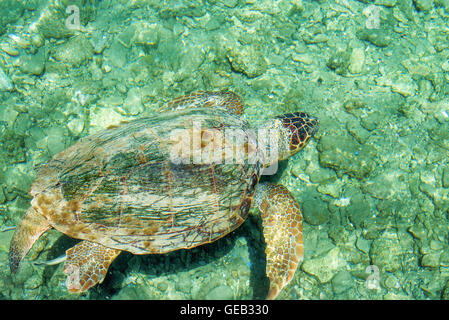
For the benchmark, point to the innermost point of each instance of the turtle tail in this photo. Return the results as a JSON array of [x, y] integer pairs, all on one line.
[[32, 226]]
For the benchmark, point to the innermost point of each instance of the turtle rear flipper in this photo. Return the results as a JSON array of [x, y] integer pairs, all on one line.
[[32, 226], [282, 230], [87, 264]]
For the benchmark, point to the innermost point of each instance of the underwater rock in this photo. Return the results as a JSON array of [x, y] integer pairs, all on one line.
[[386, 3], [443, 3], [291, 7], [359, 210], [37, 40], [332, 189], [315, 211], [341, 236], [25, 272], [8, 114], [212, 22], [133, 103], [76, 125], [321, 175], [174, 8], [345, 154], [444, 262], [339, 62], [248, 15], [5, 239], [357, 131], [399, 83], [76, 51], [423, 5], [247, 60], [99, 42], [130, 293], [362, 244], [126, 36], [220, 293], [404, 85], [305, 58], [387, 185], [9, 49], [33, 282], [440, 196], [439, 39], [356, 60], [445, 294], [33, 64], [183, 282], [440, 135], [391, 282], [417, 68], [2, 197], [55, 21], [162, 285], [418, 231], [325, 267], [445, 177], [56, 139], [17, 179], [386, 254], [52, 24], [312, 38], [148, 34], [13, 152], [5, 83], [230, 3], [395, 296], [342, 282], [192, 59], [369, 121], [101, 117], [10, 11], [436, 245], [379, 37], [116, 55], [431, 260]]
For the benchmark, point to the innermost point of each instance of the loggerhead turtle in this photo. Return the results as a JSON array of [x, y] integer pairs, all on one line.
[[145, 187]]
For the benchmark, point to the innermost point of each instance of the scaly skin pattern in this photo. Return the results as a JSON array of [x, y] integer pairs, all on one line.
[[87, 264], [282, 230]]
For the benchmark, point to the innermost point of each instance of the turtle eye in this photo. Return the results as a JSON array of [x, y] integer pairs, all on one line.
[[301, 128]]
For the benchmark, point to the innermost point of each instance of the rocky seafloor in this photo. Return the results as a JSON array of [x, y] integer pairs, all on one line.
[[373, 185]]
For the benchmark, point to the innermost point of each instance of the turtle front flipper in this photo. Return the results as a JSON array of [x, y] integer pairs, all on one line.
[[87, 264], [282, 230], [207, 99], [32, 226]]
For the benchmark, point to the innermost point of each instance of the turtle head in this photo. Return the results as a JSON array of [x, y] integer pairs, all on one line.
[[295, 129]]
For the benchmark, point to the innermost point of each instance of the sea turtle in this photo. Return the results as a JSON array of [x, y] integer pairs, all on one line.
[[152, 186]]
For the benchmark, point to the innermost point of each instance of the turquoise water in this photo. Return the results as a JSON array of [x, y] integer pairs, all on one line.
[[373, 184]]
